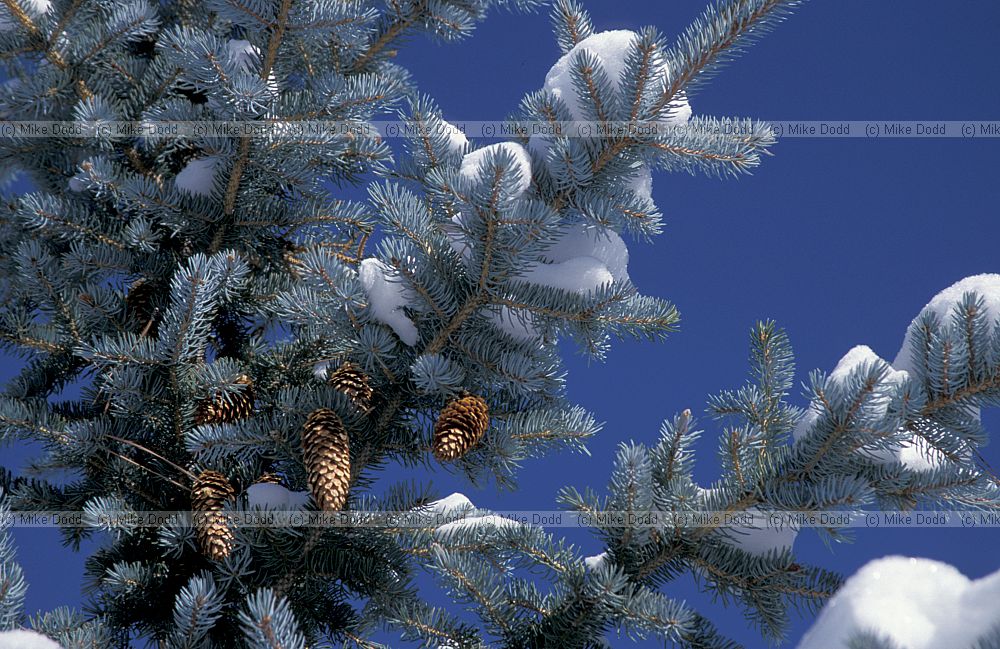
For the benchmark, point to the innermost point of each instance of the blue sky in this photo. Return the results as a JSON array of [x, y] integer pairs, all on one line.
[[841, 241]]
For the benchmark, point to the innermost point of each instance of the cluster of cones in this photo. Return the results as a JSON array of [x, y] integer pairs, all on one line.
[[326, 450]]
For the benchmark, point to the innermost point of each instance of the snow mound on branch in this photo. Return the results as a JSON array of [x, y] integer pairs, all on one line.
[[273, 496], [458, 241], [457, 142], [472, 162], [519, 325], [600, 243], [489, 522], [611, 48], [914, 454], [584, 258], [580, 275], [918, 603], [243, 54], [8, 22], [386, 299], [987, 286], [596, 561], [247, 57], [23, 639], [852, 360], [942, 305], [451, 505], [760, 538], [321, 369], [642, 182], [198, 176]]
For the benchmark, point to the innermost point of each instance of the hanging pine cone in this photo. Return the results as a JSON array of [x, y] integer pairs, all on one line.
[[139, 306], [210, 492], [220, 411], [461, 425], [349, 379], [326, 448]]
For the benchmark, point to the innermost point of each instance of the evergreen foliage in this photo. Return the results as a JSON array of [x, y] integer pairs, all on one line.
[[12, 585], [834, 463]]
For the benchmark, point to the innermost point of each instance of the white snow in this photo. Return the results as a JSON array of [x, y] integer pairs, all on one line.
[[584, 258], [596, 561], [914, 454], [198, 176], [611, 48], [491, 521], [32, 7], [472, 162], [918, 603], [987, 286], [518, 324], [642, 182], [247, 57], [852, 360], [457, 142], [386, 299], [918, 455], [453, 510], [600, 243], [320, 369], [581, 275], [23, 639], [451, 505], [266, 495], [760, 538], [243, 54], [458, 241], [858, 356]]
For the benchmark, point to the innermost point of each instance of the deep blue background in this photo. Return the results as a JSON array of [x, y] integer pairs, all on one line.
[[839, 240]]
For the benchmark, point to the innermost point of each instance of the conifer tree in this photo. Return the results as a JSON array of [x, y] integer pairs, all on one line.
[[894, 436], [243, 344]]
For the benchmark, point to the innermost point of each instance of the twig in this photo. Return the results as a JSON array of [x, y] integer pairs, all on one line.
[[154, 454]]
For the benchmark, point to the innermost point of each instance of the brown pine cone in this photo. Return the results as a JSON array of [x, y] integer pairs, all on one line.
[[139, 301], [327, 453], [220, 411], [352, 381], [209, 493], [461, 425]]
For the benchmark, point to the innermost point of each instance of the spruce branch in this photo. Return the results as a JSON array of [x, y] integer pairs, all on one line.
[[233, 185], [716, 37], [571, 22], [388, 34]]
